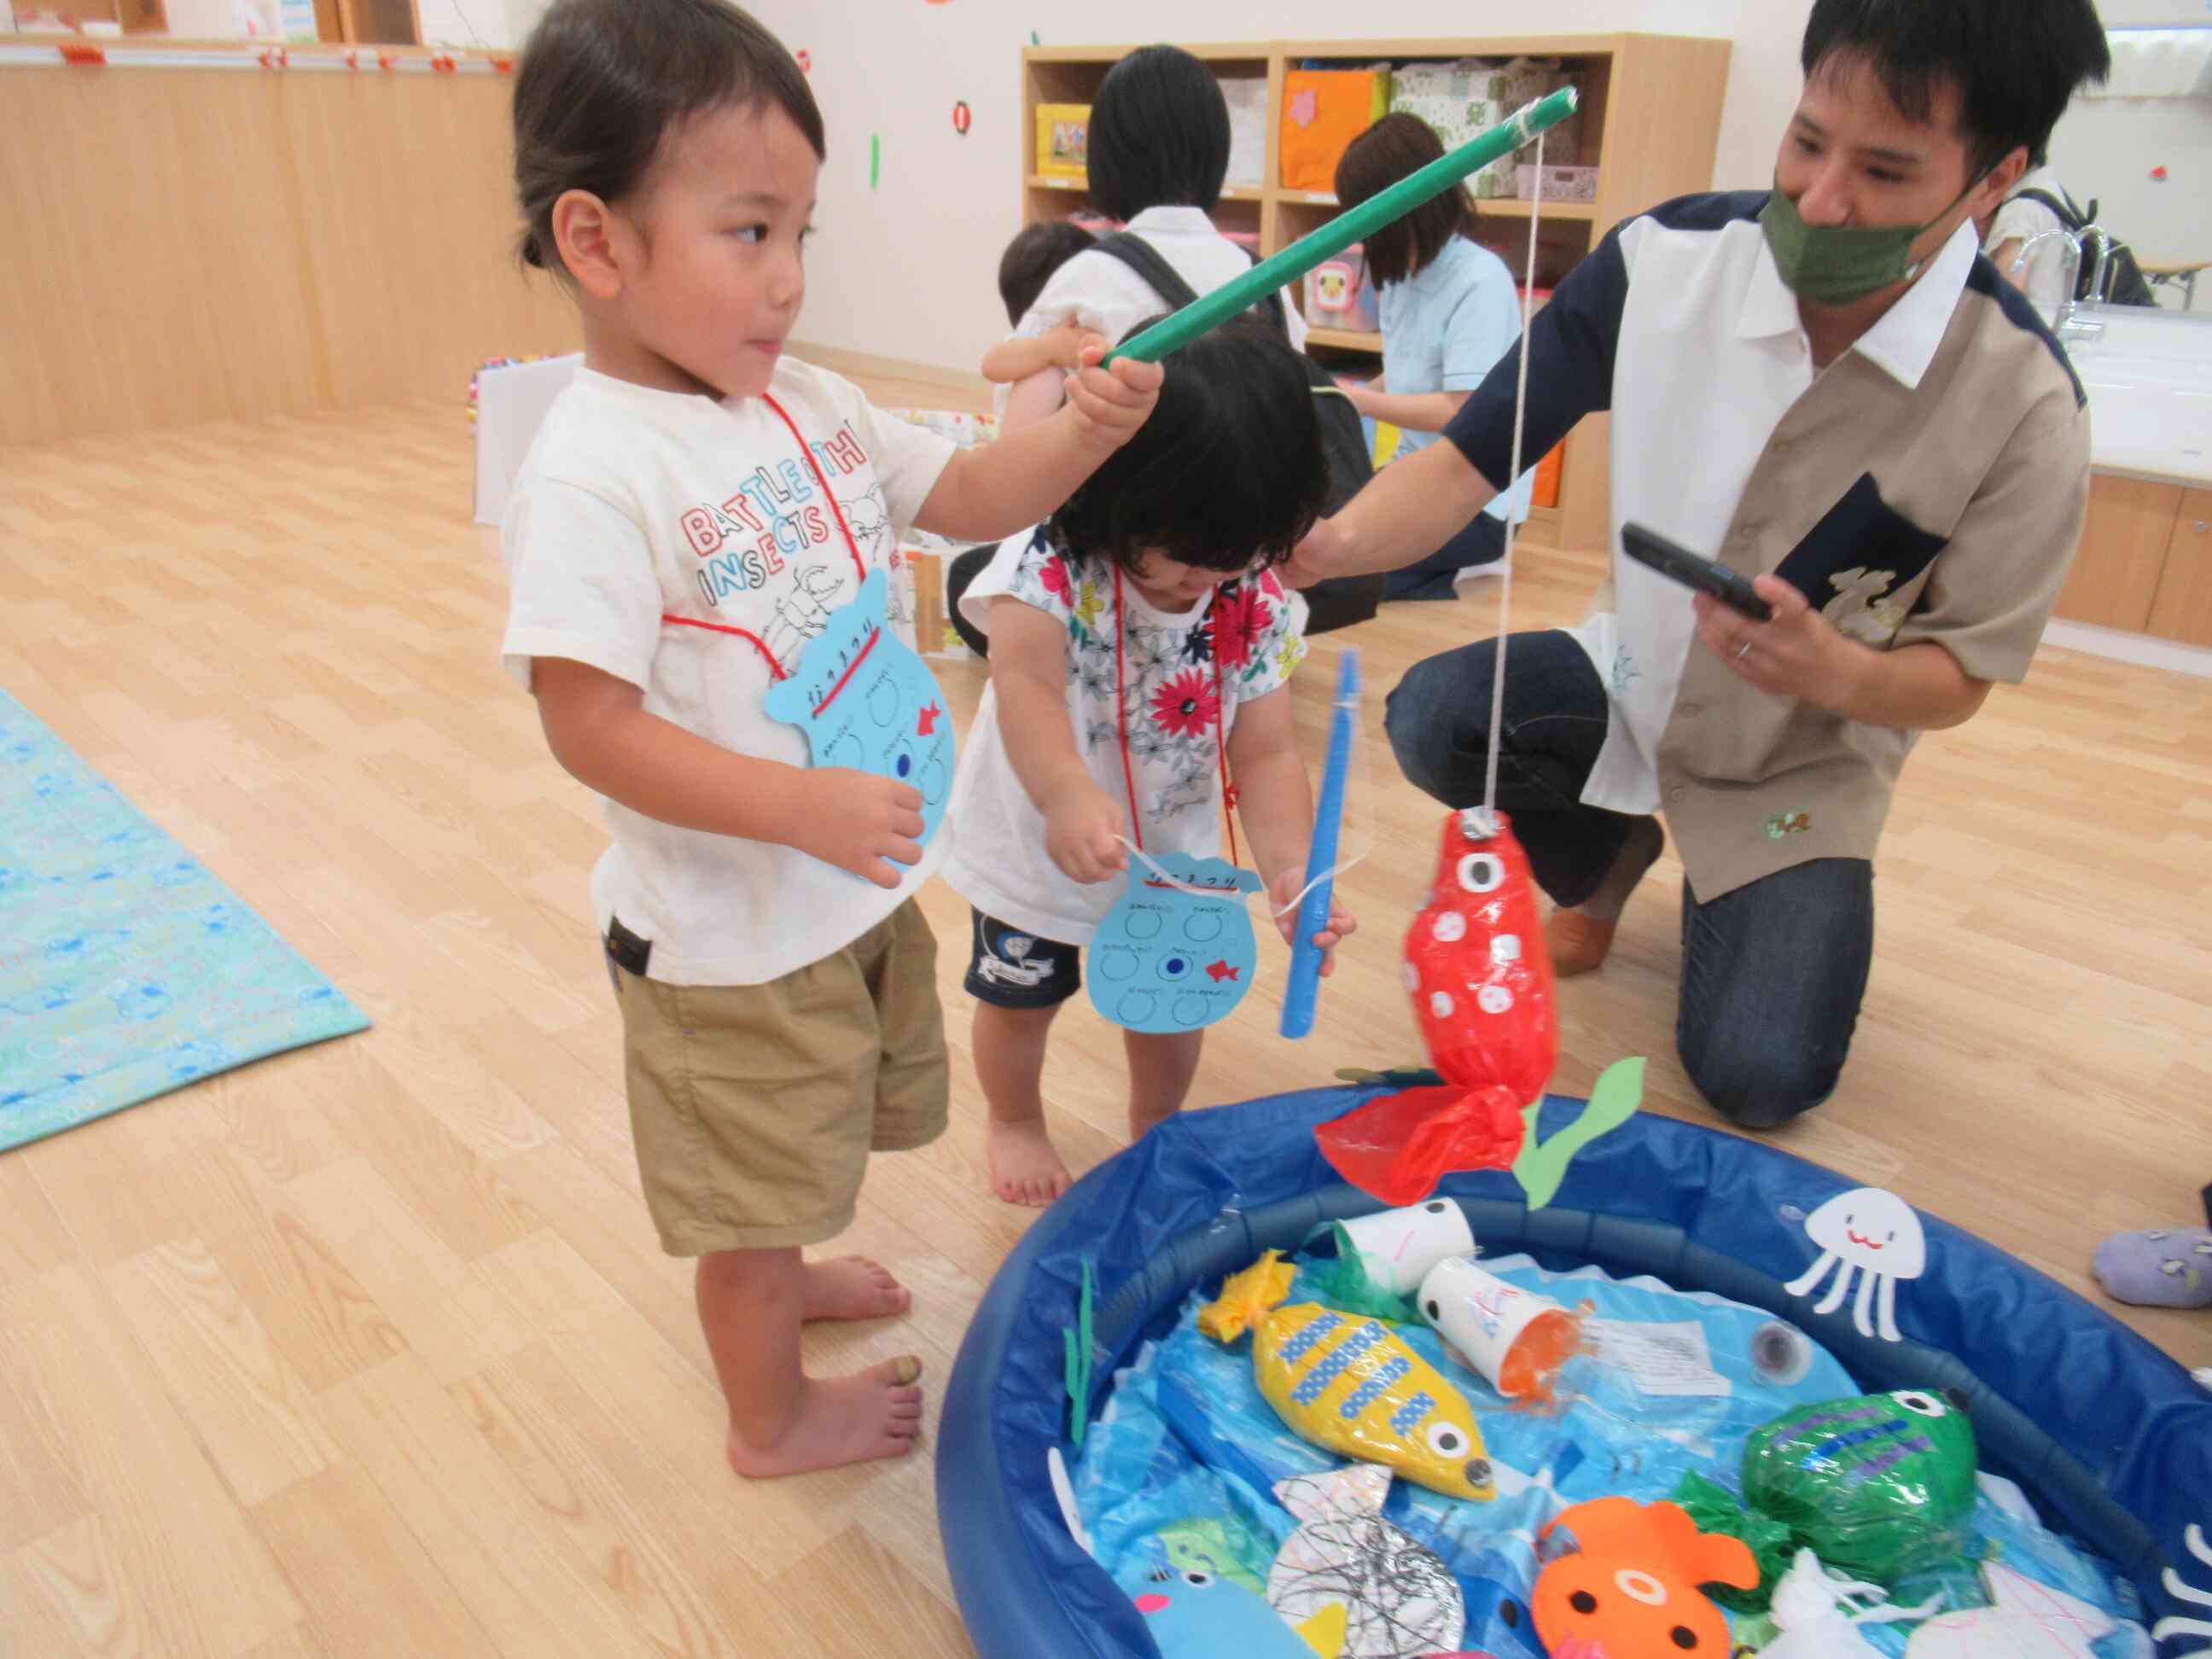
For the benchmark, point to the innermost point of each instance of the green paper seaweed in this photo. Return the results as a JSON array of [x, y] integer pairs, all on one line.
[[1542, 1164], [1076, 1341]]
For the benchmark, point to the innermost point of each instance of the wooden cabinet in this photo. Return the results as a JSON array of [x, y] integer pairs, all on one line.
[[1649, 123], [2115, 575], [2145, 563], [2182, 608]]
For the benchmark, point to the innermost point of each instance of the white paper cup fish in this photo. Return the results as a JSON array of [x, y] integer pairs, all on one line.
[[1485, 1319], [1399, 1247]]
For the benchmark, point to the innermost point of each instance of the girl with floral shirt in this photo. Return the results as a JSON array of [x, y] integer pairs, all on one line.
[[1141, 650]]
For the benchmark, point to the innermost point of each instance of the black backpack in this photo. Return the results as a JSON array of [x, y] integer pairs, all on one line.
[[1342, 600], [2124, 282]]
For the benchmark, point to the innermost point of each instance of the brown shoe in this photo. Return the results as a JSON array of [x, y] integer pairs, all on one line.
[[1578, 943]]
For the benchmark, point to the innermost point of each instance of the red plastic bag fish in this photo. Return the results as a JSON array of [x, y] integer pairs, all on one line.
[[1480, 976]]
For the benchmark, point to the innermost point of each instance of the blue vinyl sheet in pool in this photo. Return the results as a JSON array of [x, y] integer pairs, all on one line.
[[2109, 1438]]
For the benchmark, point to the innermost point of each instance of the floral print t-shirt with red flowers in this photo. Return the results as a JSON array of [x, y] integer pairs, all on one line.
[[1183, 676]]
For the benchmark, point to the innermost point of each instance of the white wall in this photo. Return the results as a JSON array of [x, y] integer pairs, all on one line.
[[2107, 147], [906, 271]]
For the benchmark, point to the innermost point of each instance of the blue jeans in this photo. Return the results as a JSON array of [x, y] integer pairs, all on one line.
[[1773, 972]]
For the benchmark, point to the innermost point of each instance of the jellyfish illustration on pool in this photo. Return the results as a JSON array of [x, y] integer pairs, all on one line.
[[2172, 1630], [1874, 1234]]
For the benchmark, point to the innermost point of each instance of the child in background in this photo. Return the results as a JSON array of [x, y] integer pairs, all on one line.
[[1024, 268], [1141, 649], [1158, 151], [1449, 312], [674, 540], [1037, 251]]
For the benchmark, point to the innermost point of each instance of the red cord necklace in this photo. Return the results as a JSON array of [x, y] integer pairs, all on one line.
[[777, 670], [1220, 715]]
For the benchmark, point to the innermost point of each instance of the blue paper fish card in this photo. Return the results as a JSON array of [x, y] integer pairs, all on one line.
[[1169, 958], [865, 700], [1196, 1615]]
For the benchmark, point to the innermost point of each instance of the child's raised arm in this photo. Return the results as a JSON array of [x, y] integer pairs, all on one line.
[[1415, 411], [1082, 825], [1024, 354], [598, 730], [985, 495], [1274, 802]]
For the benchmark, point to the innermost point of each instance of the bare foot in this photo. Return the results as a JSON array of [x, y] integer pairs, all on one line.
[[1024, 1168], [853, 1287], [872, 1413]]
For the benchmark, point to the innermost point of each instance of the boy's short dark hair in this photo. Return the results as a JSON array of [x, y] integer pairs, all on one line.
[[2016, 62], [1159, 135], [601, 81], [1227, 469], [1395, 146], [1036, 252]]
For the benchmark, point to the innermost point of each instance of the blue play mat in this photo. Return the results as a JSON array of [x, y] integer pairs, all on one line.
[[2110, 1439], [126, 968]]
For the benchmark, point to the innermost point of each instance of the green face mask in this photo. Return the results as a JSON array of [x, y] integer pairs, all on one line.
[[1836, 264]]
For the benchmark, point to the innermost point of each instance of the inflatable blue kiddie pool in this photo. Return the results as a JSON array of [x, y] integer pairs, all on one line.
[[2082, 1429]]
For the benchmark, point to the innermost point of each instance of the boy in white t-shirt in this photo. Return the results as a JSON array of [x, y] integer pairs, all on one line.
[[694, 511], [1141, 650]]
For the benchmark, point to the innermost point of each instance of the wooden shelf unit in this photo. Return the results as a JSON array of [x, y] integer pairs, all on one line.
[[1650, 124]]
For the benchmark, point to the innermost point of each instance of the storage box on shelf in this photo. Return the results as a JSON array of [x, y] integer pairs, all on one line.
[[1647, 130]]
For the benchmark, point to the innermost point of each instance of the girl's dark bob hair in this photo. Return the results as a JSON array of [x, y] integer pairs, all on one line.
[[1393, 148], [1227, 473]]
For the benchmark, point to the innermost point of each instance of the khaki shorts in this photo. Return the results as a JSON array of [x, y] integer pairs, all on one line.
[[754, 1108]]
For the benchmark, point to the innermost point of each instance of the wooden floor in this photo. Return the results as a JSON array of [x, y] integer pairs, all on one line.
[[370, 1349]]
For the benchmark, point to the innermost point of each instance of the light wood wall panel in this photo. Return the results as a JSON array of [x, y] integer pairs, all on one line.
[[199, 245]]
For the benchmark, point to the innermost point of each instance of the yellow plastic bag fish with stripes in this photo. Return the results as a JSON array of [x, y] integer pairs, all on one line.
[[1350, 1384]]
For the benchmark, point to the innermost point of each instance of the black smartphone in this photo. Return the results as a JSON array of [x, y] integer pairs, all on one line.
[[1706, 575]]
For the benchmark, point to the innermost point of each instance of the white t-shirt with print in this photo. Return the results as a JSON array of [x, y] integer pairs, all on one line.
[[2021, 220], [640, 513], [1099, 292], [1254, 625]]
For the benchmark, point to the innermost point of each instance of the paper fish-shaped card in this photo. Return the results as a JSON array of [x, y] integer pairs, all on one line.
[[1176, 951], [865, 700]]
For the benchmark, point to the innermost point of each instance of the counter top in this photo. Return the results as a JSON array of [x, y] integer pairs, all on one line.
[[2148, 375]]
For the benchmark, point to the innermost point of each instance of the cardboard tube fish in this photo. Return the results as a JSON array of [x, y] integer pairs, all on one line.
[[1351, 1385]]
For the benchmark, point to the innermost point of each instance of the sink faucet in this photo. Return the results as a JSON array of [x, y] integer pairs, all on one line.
[[2065, 324], [2098, 273]]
